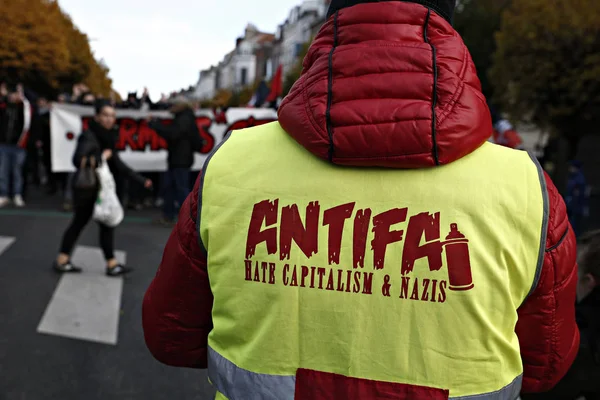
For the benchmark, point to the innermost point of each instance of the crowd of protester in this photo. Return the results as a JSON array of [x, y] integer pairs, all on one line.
[[25, 149], [25, 163]]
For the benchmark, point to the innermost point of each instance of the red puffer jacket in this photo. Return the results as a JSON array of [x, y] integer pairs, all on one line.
[[384, 84]]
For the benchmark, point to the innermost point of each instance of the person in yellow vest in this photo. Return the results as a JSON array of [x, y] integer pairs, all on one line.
[[371, 244]]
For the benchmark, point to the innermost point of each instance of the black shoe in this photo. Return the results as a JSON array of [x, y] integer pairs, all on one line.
[[118, 270], [66, 268]]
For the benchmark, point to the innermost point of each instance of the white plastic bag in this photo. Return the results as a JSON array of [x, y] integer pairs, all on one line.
[[108, 209]]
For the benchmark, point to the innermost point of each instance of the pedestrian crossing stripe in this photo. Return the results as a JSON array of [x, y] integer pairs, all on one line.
[[5, 243], [86, 306]]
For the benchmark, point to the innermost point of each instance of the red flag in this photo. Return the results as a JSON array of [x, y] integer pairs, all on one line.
[[276, 85]]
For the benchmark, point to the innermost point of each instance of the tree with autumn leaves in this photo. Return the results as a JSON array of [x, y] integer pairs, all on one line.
[[548, 64], [42, 48], [477, 21]]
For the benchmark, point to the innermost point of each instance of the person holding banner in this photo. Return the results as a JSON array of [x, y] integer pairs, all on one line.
[[12, 155], [94, 146], [182, 137]]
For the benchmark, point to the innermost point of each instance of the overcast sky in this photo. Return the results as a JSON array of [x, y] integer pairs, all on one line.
[[164, 44]]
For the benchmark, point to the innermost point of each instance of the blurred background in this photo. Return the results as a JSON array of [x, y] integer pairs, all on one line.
[[232, 62]]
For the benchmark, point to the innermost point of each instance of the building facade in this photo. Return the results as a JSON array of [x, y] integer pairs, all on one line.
[[257, 55], [207, 84]]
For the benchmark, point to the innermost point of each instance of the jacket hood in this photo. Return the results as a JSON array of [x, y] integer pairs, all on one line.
[[387, 84], [445, 8]]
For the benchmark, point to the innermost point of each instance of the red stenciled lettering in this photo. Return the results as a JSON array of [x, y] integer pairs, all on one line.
[[433, 291], [404, 287], [286, 271], [127, 134], [330, 281], [220, 117], [264, 265], [442, 296], [340, 282], [348, 278], [307, 238], [248, 265], [425, 294], [264, 212], [247, 123], [356, 286], [303, 275], [335, 218], [361, 230], [367, 283], [383, 236], [271, 273], [256, 273], [294, 281], [428, 225], [204, 124], [415, 291], [148, 137], [321, 272]]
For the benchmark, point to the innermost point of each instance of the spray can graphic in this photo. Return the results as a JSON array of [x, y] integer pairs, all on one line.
[[458, 260]]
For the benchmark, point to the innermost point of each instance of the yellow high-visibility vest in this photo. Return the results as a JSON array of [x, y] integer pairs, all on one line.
[[408, 276]]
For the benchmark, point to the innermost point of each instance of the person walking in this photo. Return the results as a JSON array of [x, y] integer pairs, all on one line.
[[180, 140], [95, 146], [12, 155], [371, 244]]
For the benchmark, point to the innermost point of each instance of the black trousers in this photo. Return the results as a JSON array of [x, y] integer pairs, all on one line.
[[84, 210]]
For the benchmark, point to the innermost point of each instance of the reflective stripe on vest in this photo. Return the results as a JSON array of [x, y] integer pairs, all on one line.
[[239, 384], [404, 276]]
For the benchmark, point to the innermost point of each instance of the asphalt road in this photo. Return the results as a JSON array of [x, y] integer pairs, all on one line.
[[41, 366]]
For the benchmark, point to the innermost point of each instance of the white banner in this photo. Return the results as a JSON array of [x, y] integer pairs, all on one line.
[[139, 146]]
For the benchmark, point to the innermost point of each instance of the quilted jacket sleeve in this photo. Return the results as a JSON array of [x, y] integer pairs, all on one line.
[[546, 328], [177, 306]]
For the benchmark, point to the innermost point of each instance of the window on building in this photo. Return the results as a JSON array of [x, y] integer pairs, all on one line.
[[269, 69], [297, 49], [218, 80], [243, 76]]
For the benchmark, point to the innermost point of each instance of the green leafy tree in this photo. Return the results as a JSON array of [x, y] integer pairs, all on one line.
[[477, 21], [294, 74], [548, 58], [234, 100], [245, 95], [223, 98], [548, 61], [98, 80]]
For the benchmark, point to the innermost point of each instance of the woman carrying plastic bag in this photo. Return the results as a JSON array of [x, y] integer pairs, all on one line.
[[108, 209], [94, 193]]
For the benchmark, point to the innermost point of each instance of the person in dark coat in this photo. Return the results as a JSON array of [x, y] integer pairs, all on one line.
[[39, 139], [583, 378], [181, 155], [576, 198], [12, 156], [97, 143]]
